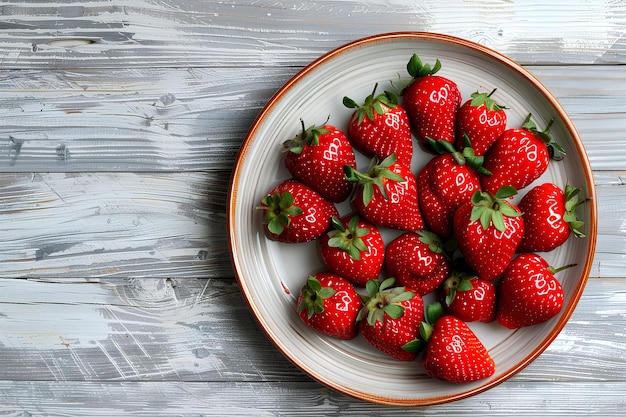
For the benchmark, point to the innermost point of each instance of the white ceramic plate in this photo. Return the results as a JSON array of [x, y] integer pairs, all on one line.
[[271, 273]]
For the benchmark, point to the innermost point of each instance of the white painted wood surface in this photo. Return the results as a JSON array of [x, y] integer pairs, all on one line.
[[119, 126]]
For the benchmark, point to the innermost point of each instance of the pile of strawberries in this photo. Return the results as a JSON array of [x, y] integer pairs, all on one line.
[[461, 236]]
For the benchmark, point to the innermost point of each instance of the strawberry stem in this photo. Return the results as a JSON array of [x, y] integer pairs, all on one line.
[[376, 173], [279, 209], [555, 270], [348, 239], [546, 137], [485, 99], [433, 313], [467, 155], [313, 296], [571, 202], [431, 239], [491, 209], [457, 281], [417, 69], [383, 300], [372, 104], [307, 136]]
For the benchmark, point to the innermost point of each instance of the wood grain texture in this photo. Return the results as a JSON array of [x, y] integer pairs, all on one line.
[[170, 225], [130, 120], [201, 330], [120, 123], [114, 224], [220, 399], [195, 119], [134, 330], [245, 33]]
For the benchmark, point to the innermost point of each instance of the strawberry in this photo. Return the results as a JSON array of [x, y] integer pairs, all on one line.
[[294, 213], [488, 230], [380, 127], [329, 304], [447, 181], [316, 157], [529, 293], [354, 249], [417, 261], [469, 297], [431, 101], [481, 119], [453, 352], [549, 217], [390, 318], [519, 156], [387, 194]]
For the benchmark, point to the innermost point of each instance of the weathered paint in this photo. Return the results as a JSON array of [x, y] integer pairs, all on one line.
[[119, 125]]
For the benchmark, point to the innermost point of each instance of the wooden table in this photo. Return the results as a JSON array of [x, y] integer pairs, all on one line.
[[119, 127]]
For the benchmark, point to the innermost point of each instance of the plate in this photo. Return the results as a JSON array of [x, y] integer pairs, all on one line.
[[271, 274]]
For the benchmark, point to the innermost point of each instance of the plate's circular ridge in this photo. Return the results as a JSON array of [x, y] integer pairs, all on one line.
[[270, 274]]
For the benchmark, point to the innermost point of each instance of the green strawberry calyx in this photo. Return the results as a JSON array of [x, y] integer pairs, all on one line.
[[383, 300], [457, 281], [373, 104], [555, 150], [571, 202], [417, 69], [491, 209], [307, 136], [434, 312], [436, 244], [432, 240], [348, 239], [375, 175], [480, 99], [313, 296], [466, 156], [279, 209]]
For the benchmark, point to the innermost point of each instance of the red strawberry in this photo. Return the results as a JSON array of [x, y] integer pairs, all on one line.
[[482, 119], [387, 195], [390, 318], [294, 213], [380, 127], [316, 157], [353, 249], [329, 304], [488, 230], [447, 181], [431, 102], [549, 217], [417, 261], [453, 352], [434, 212], [529, 293], [519, 157], [469, 297]]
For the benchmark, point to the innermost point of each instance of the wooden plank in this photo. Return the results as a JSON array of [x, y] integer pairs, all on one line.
[[133, 330], [196, 119], [611, 244], [131, 120], [201, 330], [149, 34], [119, 126], [168, 225], [288, 398], [114, 224]]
